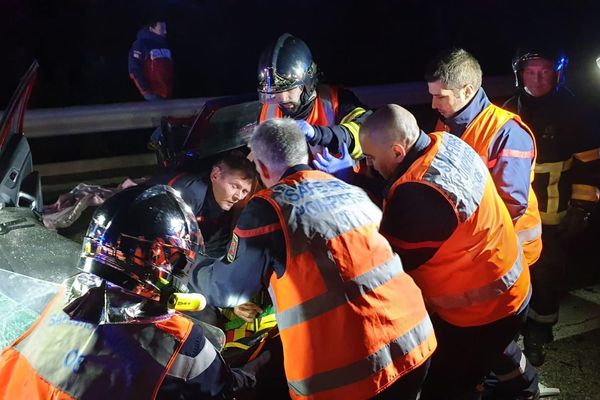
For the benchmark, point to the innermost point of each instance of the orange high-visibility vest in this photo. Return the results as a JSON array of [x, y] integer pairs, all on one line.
[[351, 320], [61, 358], [480, 134], [323, 112], [476, 277]]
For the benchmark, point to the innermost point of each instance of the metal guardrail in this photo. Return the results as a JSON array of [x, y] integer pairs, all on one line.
[[124, 116]]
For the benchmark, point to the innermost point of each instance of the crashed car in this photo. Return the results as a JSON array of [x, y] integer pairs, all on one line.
[[33, 259], [222, 125]]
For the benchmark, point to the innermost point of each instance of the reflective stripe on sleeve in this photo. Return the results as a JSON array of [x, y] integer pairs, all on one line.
[[186, 367], [585, 192], [587, 156]]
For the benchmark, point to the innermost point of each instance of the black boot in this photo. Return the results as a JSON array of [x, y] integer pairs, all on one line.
[[535, 337]]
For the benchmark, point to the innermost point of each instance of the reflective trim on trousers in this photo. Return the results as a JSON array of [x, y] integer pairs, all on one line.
[[340, 294], [517, 372], [367, 366], [485, 293], [530, 234], [186, 367]]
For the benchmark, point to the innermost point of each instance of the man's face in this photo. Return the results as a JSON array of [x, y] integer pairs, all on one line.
[[447, 102], [160, 28], [229, 186], [539, 77], [380, 156], [288, 101]]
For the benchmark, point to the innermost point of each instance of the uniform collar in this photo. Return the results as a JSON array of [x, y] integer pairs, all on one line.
[[458, 123], [210, 207], [294, 169]]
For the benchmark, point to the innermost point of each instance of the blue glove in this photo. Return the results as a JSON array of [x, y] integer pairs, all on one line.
[[332, 164], [306, 128]]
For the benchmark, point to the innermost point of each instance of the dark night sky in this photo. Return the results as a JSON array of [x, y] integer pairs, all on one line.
[[82, 45]]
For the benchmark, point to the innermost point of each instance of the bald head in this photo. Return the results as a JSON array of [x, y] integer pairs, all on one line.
[[391, 124], [387, 136]]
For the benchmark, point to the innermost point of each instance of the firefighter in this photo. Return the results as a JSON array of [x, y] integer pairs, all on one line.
[[501, 139], [567, 177], [507, 147], [352, 323], [443, 216], [150, 62], [109, 333], [288, 86]]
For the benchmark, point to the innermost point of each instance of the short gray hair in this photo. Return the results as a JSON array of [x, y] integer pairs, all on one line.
[[455, 68], [279, 143]]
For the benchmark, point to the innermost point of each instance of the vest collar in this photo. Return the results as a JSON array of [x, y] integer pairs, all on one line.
[[420, 146], [458, 124], [294, 169]]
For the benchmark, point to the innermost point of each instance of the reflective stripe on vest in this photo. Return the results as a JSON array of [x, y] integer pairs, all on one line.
[[322, 113], [480, 134], [476, 276], [366, 367], [121, 360], [339, 292], [186, 367], [481, 294], [342, 274]]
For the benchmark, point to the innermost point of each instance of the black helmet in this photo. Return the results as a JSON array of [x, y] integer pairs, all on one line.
[[143, 239], [286, 64], [556, 56]]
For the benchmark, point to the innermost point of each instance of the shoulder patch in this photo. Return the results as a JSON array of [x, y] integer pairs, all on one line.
[[233, 246], [137, 54]]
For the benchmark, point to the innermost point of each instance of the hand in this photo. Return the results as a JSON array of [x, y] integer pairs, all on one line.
[[247, 311], [306, 128], [332, 164], [574, 223]]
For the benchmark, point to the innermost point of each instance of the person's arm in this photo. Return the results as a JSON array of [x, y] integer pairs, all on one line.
[[586, 162], [417, 221], [135, 64], [510, 164], [351, 114], [257, 249], [199, 372]]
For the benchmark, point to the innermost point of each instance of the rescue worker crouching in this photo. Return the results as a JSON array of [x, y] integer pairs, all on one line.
[[352, 323], [288, 87], [443, 216], [109, 332]]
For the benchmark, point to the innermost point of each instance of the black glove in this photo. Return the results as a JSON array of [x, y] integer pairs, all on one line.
[[575, 222], [245, 377]]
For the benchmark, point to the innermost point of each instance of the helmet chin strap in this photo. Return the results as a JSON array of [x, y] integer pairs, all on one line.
[[306, 104]]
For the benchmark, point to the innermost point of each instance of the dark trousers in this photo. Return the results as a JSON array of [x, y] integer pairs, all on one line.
[[513, 376], [547, 277], [465, 355], [406, 388]]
